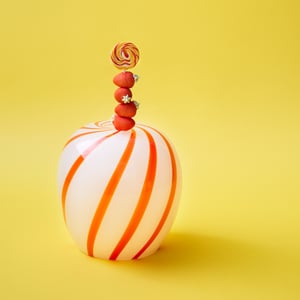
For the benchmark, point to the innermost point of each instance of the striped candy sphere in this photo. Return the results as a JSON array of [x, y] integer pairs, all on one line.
[[119, 190]]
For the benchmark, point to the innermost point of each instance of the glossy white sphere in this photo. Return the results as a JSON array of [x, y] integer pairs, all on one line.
[[119, 190]]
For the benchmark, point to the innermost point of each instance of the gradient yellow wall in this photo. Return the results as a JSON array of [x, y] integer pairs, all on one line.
[[221, 79]]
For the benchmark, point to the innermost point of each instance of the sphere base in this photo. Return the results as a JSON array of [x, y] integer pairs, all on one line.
[[119, 190]]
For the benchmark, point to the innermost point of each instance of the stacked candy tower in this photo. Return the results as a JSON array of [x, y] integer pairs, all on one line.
[[125, 56], [119, 181]]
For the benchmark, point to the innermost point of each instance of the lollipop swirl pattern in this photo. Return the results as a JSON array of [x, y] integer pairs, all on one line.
[[125, 55]]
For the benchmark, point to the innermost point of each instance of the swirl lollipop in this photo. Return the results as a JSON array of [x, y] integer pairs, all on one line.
[[125, 55]]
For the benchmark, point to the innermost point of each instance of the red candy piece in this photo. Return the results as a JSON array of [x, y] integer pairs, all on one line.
[[123, 123], [126, 110], [121, 92], [124, 79]]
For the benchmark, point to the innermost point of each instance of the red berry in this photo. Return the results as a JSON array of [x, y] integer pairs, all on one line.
[[124, 79], [121, 92], [122, 123], [126, 110]]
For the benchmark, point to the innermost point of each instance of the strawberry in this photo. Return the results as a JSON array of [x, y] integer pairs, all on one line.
[[124, 79], [122, 92], [126, 110], [123, 123]]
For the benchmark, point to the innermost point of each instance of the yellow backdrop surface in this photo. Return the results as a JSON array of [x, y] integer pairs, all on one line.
[[221, 79]]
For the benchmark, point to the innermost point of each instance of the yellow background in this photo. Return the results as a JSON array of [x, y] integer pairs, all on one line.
[[221, 78]]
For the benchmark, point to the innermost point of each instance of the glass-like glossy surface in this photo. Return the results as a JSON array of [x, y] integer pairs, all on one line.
[[119, 190]]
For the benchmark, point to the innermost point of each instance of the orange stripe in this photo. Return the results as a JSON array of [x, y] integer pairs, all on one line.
[[75, 167], [143, 200], [79, 135], [67, 181], [108, 194], [169, 203]]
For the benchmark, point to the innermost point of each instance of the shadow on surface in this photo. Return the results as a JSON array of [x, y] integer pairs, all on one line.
[[210, 262], [186, 253], [183, 249]]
